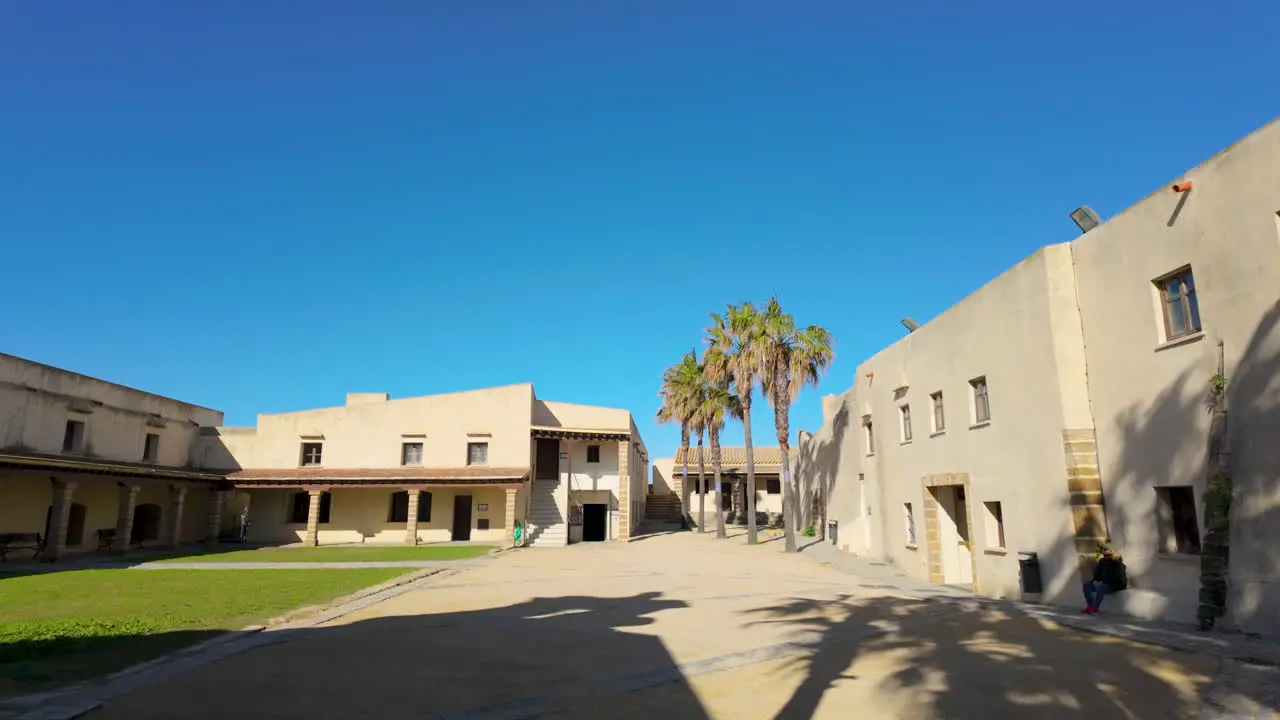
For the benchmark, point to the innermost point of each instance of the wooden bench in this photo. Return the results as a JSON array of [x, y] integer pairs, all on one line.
[[10, 542], [107, 538]]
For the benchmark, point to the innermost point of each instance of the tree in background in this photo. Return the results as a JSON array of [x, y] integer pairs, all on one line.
[[735, 356], [679, 389], [792, 359]]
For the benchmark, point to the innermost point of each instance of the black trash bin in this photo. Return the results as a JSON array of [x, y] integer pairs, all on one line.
[[1029, 567], [833, 528]]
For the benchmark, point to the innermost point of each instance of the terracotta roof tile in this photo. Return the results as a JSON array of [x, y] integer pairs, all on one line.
[[735, 456]]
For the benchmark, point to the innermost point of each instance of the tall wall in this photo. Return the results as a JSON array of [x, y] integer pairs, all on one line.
[[1148, 394]]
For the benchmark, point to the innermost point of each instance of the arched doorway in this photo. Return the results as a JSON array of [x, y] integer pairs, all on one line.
[[146, 523]]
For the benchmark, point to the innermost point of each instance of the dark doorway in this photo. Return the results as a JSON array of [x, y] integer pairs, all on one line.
[[595, 522], [547, 460], [461, 518], [146, 523]]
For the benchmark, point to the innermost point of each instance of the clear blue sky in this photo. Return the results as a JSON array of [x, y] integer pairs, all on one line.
[[262, 205]]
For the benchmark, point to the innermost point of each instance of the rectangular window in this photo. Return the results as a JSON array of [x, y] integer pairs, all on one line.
[[151, 448], [773, 486], [905, 412], [311, 453], [593, 453], [302, 505], [482, 523], [1176, 515], [398, 512], [994, 524], [478, 453], [411, 454], [981, 403], [869, 434], [939, 417], [1178, 303], [910, 519], [73, 437]]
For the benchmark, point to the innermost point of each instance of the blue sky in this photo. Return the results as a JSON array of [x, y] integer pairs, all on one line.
[[263, 205]]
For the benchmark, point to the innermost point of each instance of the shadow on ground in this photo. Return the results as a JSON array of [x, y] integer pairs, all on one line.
[[584, 656], [929, 659]]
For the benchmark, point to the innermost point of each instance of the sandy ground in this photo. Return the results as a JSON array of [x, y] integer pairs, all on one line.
[[672, 627]]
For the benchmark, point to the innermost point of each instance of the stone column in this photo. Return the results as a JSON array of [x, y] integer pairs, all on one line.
[[213, 523], [313, 518], [177, 501], [509, 517], [624, 491], [411, 521], [55, 546], [124, 516]]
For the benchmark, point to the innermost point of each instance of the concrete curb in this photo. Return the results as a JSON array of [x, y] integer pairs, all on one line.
[[75, 700]]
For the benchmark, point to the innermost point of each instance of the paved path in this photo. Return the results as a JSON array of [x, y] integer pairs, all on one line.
[[298, 565], [682, 626]]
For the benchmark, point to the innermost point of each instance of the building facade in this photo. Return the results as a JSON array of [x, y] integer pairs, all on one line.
[[465, 466], [86, 465], [1063, 403], [668, 477]]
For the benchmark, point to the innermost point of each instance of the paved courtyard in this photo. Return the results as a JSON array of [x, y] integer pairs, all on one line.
[[679, 626]]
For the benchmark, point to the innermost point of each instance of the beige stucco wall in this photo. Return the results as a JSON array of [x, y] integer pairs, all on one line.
[[1148, 398], [1018, 331], [36, 401], [549, 413], [359, 515], [371, 433], [662, 479]]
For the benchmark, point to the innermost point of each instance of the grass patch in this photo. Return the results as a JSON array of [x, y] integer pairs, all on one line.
[[58, 628], [389, 553]]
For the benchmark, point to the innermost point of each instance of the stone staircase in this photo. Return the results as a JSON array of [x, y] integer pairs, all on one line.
[[548, 524], [662, 507]]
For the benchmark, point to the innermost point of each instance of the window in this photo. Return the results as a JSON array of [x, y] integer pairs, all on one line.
[[399, 510], [302, 504], [910, 520], [1176, 514], [939, 417], [994, 524], [482, 523], [311, 453], [411, 453], [477, 453], [773, 486], [151, 448], [869, 434], [593, 453], [73, 438], [981, 404], [1178, 304], [905, 412]]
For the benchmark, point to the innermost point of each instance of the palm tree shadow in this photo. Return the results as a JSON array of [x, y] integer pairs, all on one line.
[[917, 658]]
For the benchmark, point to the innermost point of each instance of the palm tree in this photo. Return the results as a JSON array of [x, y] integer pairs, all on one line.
[[719, 404], [678, 393], [793, 358], [734, 355], [698, 424]]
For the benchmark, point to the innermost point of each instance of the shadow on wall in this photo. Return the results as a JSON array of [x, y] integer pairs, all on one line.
[[1164, 443], [927, 659], [548, 655], [818, 470]]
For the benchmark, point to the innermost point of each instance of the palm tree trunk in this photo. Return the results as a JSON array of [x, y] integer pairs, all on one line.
[[702, 488], [684, 483], [788, 504], [751, 469], [715, 471], [782, 423], [1219, 493]]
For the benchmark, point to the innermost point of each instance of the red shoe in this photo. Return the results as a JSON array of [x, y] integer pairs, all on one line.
[[1091, 610]]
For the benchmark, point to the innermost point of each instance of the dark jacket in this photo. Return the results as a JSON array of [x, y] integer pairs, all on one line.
[[1111, 572]]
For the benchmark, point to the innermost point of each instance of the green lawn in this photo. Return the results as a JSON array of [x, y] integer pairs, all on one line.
[[387, 553], [63, 627]]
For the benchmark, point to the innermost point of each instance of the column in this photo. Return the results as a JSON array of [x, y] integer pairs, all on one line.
[[509, 517], [124, 516], [411, 521], [313, 518], [213, 524], [624, 491], [55, 546], [177, 501]]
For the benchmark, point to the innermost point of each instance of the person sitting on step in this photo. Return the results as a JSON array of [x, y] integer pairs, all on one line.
[[1109, 577]]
